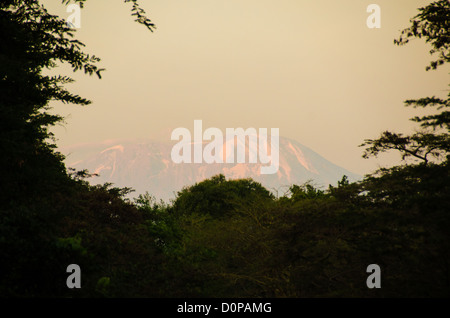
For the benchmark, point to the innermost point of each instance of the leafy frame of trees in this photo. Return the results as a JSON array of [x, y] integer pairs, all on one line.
[[219, 238]]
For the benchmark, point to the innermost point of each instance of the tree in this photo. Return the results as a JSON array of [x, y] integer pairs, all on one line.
[[33, 40], [35, 189], [219, 197], [432, 142], [419, 193]]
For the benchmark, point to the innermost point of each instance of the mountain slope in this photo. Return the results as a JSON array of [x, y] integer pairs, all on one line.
[[146, 165]]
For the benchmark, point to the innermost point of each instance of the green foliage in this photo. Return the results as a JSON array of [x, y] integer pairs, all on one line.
[[140, 15], [220, 197], [218, 238], [103, 285], [73, 243], [433, 24], [420, 145], [136, 11], [315, 243], [306, 191], [320, 246], [44, 210], [160, 223]]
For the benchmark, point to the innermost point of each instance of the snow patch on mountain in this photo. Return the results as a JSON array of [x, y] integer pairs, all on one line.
[[146, 165]]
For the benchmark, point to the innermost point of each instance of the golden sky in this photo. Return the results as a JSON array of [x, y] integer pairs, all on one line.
[[311, 68]]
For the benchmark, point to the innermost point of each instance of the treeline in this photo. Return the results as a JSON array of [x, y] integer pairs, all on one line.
[[218, 238], [233, 238]]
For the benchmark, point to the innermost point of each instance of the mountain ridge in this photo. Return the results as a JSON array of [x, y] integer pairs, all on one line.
[[146, 166]]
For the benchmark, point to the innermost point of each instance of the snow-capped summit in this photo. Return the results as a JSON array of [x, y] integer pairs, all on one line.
[[146, 165]]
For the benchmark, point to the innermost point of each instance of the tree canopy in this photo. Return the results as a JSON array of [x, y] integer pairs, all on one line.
[[432, 141], [219, 237]]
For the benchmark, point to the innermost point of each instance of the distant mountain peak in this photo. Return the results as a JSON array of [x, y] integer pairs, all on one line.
[[146, 165]]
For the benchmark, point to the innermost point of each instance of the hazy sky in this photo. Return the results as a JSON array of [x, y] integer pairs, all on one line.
[[311, 68]]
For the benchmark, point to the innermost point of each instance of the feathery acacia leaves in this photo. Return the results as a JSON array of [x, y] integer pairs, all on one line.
[[433, 24]]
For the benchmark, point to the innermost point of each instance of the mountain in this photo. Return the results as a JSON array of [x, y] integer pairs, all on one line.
[[146, 165]]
